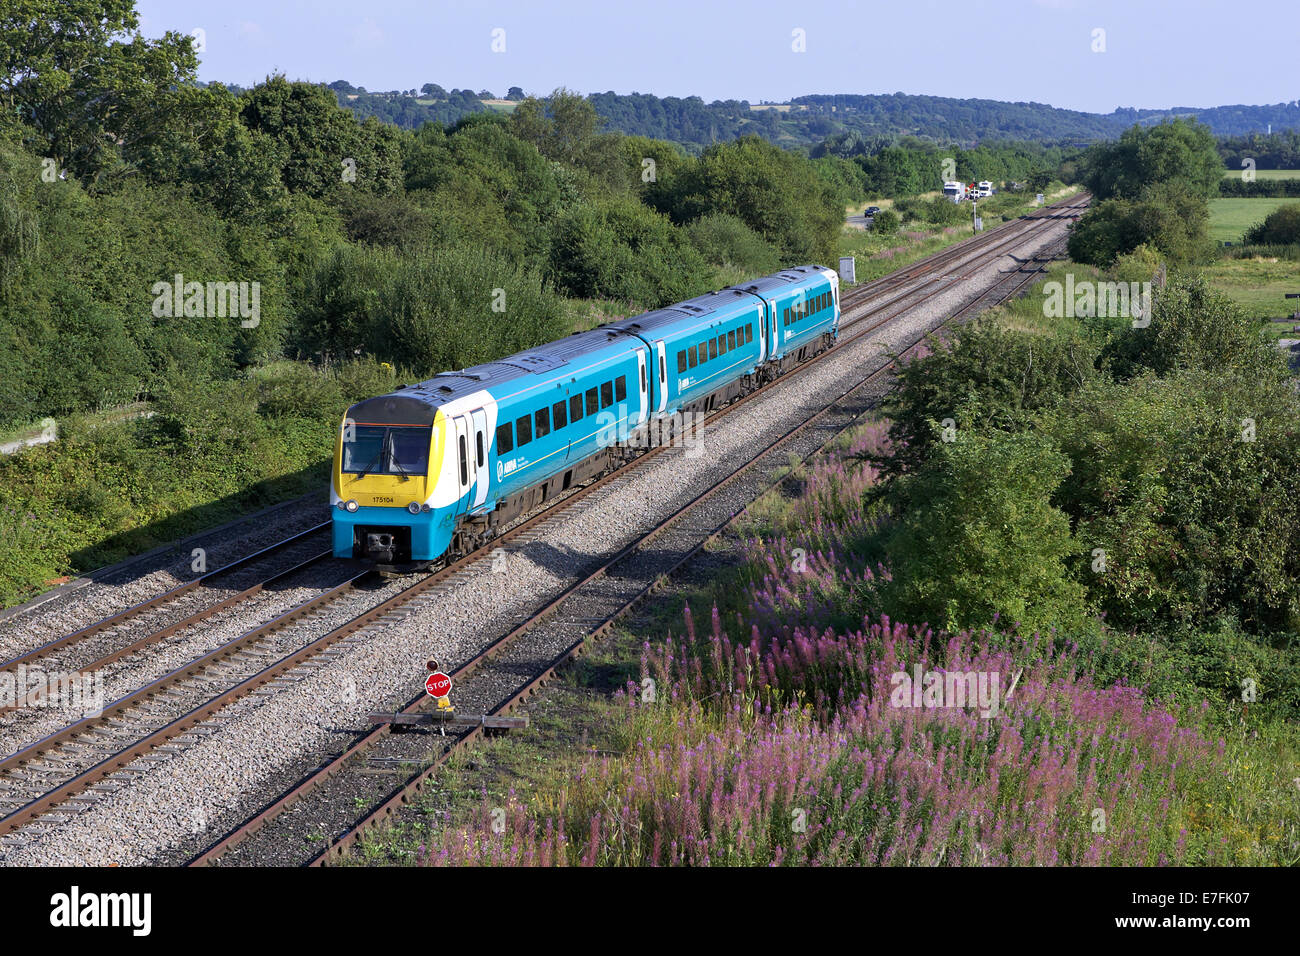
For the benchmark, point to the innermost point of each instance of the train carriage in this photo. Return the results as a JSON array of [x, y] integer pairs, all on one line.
[[438, 465]]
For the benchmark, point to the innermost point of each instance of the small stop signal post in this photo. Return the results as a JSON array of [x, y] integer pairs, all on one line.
[[438, 686]]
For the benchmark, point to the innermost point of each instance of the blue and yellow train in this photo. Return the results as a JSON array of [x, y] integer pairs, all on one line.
[[438, 466]]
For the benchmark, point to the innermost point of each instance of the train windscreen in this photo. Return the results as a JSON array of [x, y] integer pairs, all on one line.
[[386, 449]]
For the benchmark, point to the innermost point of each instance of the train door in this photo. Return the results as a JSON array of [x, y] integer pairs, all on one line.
[[769, 332], [462, 460], [478, 447], [643, 411], [662, 402]]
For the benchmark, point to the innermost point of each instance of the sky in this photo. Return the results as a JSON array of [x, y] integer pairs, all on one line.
[[1092, 55]]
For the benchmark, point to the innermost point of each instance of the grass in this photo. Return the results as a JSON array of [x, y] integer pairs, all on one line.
[[1230, 218], [1257, 285], [1264, 173]]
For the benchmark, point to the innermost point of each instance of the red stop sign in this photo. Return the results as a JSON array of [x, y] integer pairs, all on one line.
[[438, 685]]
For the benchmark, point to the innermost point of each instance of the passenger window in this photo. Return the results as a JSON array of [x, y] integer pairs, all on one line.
[[704, 351], [690, 353], [620, 388], [505, 439], [478, 440], [575, 408], [731, 339], [464, 465], [713, 348], [543, 417], [681, 362], [606, 394], [722, 344], [524, 430], [592, 405], [559, 416]]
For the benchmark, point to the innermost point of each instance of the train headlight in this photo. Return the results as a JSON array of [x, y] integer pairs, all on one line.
[[352, 505], [426, 508], [413, 507], [341, 505]]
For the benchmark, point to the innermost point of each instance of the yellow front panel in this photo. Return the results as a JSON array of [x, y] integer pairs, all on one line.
[[391, 491]]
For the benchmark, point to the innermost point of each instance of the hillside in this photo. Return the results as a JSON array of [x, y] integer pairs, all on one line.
[[808, 120]]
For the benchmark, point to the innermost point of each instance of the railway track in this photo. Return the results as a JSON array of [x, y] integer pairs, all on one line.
[[178, 600], [358, 776], [99, 754]]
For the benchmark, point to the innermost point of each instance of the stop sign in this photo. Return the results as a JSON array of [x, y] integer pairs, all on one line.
[[438, 684]]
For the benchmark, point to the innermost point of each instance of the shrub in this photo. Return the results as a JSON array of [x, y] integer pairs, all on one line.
[[618, 249], [977, 537], [723, 239], [985, 377], [886, 222], [1280, 227]]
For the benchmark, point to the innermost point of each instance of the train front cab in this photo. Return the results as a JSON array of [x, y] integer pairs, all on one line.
[[388, 456]]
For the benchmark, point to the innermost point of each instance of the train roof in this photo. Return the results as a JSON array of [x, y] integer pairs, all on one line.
[[711, 305], [782, 279], [716, 305], [414, 404]]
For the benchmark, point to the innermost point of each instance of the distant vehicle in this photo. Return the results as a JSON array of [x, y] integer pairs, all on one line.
[[871, 211], [954, 191], [984, 189]]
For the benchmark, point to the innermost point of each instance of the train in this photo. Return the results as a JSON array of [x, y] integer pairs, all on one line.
[[434, 469]]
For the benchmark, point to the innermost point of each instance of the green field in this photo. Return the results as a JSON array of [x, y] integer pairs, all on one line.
[[1257, 285], [1264, 173], [1229, 218]]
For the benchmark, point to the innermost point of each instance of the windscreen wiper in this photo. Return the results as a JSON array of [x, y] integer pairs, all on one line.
[[373, 461], [398, 465]]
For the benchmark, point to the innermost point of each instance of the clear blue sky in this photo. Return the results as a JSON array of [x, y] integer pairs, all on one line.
[[1157, 53]]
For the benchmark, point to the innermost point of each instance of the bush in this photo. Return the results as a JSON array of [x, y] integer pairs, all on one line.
[[886, 222], [618, 249], [1280, 227], [987, 377], [725, 240], [1193, 326], [1181, 491], [944, 212], [978, 539], [427, 311], [1167, 217]]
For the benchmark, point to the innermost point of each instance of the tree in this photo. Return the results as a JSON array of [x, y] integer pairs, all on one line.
[[561, 126], [87, 83], [1167, 216], [515, 93], [776, 193], [1182, 151], [321, 145]]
